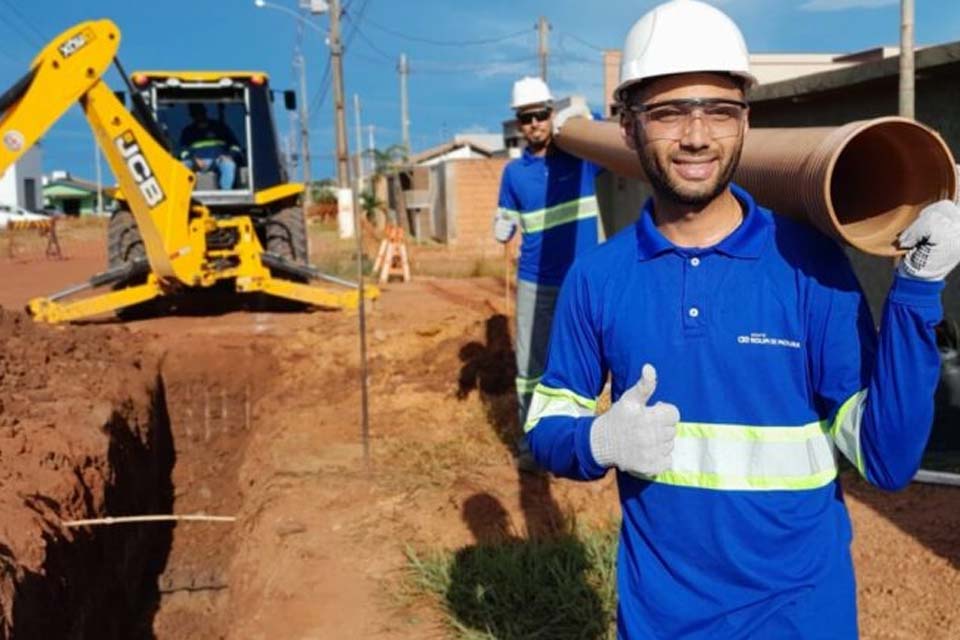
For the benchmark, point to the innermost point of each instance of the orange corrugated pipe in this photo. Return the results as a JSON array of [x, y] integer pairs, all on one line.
[[862, 182]]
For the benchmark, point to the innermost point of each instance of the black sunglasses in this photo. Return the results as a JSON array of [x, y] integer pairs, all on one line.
[[529, 116]]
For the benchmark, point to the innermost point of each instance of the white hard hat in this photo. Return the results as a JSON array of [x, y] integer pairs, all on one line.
[[530, 90], [683, 36]]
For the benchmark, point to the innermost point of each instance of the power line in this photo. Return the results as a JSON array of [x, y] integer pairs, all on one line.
[[23, 19], [583, 42], [431, 66], [447, 43], [386, 56]]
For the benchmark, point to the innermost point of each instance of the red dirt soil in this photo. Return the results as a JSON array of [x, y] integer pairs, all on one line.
[[263, 417], [77, 439]]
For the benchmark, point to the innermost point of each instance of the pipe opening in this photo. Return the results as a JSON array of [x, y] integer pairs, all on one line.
[[882, 178]]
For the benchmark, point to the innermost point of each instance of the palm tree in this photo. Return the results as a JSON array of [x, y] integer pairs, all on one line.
[[370, 205], [386, 161]]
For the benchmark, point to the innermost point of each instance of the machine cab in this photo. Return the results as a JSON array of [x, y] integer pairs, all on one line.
[[220, 125]]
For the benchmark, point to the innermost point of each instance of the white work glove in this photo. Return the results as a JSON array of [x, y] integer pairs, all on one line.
[[503, 227], [576, 110], [632, 436], [933, 242]]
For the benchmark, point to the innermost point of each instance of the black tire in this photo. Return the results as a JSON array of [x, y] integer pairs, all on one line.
[[286, 235], [124, 243]]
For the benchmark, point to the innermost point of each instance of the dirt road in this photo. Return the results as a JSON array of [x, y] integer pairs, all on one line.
[[261, 412]]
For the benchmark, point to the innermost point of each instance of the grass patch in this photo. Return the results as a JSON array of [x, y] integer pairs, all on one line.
[[556, 588]]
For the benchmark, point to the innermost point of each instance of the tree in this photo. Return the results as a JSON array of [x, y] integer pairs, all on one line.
[[387, 161]]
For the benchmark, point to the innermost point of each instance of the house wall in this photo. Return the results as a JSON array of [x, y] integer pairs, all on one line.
[[471, 190], [22, 183], [455, 154]]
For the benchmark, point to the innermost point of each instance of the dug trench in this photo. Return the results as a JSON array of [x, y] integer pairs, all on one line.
[[83, 432], [101, 422]]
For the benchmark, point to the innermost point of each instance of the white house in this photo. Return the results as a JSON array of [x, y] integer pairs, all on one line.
[[22, 183]]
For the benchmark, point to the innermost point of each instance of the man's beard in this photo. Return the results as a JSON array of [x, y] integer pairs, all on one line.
[[666, 188], [537, 145]]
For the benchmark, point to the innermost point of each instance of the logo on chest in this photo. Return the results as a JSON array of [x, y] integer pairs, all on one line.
[[764, 340]]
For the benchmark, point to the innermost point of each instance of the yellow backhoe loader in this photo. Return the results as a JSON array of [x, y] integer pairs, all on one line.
[[177, 229]]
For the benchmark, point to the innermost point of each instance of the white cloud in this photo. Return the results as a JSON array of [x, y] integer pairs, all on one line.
[[476, 128], [841, 5], [507, 68]]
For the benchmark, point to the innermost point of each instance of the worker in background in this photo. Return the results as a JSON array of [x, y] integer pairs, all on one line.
[[549, 196], [209, 145], [742, 356]]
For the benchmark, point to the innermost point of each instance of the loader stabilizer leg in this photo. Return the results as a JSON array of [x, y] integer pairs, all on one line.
[[308, 294], [53, 311]]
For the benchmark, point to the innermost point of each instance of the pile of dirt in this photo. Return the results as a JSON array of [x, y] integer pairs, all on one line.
[[82, 434]]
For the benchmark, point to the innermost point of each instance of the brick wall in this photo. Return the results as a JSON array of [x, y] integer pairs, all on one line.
[[471, 190]]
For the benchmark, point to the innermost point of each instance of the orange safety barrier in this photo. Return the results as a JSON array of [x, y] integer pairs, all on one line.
[[392, 257], [47, 228]]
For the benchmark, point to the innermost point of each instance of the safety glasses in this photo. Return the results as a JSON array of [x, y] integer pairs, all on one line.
[[671, 118], [529, 116]]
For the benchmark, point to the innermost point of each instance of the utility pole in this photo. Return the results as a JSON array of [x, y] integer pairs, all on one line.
[[356, 122], [404, 113], [343, 181], [543, 30], [907, 93], [293, 156], [301, 64], [340, 118], [371, 146]]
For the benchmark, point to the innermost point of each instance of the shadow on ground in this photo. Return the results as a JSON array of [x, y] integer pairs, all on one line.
[[536, 580], [511, 588]]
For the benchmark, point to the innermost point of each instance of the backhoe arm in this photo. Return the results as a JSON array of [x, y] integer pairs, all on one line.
[[156, 185]]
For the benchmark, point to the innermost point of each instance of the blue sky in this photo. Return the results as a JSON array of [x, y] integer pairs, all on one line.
[[451, 88]]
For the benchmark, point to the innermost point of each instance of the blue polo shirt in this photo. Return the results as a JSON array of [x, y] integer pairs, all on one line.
[[552, 199], [766, 345]]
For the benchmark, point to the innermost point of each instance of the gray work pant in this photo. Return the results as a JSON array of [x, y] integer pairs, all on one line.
[[535, 305]]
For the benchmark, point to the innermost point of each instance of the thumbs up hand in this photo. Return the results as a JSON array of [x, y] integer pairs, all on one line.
[[633, 436]]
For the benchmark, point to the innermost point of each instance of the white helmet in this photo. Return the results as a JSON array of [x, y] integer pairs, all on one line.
[[530, 90], [683, 36]]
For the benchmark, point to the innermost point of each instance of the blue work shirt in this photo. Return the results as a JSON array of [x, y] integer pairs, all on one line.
[[553, 200], [765, 344]]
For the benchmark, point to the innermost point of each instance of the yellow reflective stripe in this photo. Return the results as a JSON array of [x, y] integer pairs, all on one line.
[[548, 402], [527, 385], [512, 214], [749, 434], [550, 392], [744, 457], [572, 211], [846, 429], [744, 483], [201, 144]]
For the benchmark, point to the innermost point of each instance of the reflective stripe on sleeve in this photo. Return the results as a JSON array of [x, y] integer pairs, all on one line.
[[511, 214], [846, 429], [572, 211], [750, 458], [548, 402], [527, 385]]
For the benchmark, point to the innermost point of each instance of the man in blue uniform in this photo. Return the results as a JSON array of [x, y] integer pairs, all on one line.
[[742, 356], [209, 145], [549, 195]]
